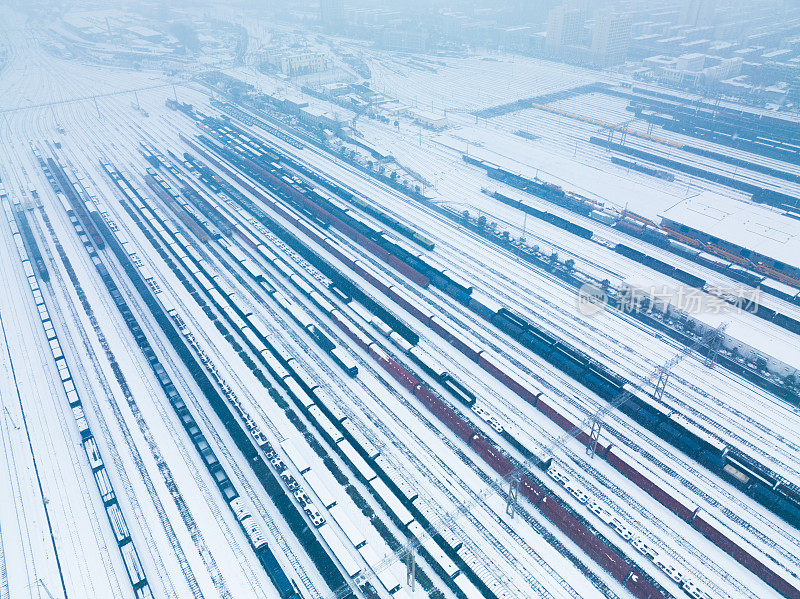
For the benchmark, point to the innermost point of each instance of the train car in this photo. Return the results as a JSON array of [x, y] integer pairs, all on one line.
[[351, 531], [394, 506], [320, 489], [359, 463], [327, 426], [510, 323], [342, 554], [360, 440], [428, 363], [133, 566], [386, 576], [282, 583], [345, 362], [459, 390]]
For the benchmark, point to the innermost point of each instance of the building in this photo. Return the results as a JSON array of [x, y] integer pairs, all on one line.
[[742, 228], [428, 119], [318, 116], [404, 41], [393, 108], [611, 38], [146, 34], [690, 62], [335, 89], [332, 15], [516, 39], [697, 12], [695, 70], [564, 27], [298, 63]]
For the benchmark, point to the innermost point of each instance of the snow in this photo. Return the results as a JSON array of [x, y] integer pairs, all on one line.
[[471, 83], [149, 457], [758, 228], [534, 160]]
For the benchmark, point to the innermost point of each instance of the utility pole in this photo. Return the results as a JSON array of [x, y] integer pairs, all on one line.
[[513, 494], [46, 590], [411, 566], [594, 435], [714, 345], [661, 385]]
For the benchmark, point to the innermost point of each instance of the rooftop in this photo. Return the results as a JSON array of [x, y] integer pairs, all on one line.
[[750, 226], [144, 31]]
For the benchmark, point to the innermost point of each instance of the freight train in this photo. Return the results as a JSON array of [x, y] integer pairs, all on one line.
[[302, 387], [783, 499], [643, 168], [564, 519], [660, 266], [706, 254], [250, 527], [116, 519], [762, 134], [677, 424], [269, 157], [32, 245], [759, 193], [285, 586], [549, 217]]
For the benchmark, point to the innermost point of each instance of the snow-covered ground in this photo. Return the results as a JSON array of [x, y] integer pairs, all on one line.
[[189, 542]]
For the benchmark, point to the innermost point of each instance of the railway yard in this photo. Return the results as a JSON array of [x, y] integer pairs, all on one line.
[[237, 362]]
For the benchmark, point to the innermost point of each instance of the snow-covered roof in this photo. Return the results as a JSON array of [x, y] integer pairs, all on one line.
[[144, 31], [750, 226], [427, 115]]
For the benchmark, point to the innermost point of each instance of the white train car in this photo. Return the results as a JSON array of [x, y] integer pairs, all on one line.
[[297, 454], [351, 531], [321, 490], [387, 575], [326, 425], [350, 564], [393, 504], [448, 566], [358, 462]]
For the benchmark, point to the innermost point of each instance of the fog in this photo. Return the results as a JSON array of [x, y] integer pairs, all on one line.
[[422, 299]]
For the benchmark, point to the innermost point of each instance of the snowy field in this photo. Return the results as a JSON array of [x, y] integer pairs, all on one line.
[[473, 83]]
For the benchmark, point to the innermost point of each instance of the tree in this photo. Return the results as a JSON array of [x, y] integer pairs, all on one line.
[[482, 221]]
